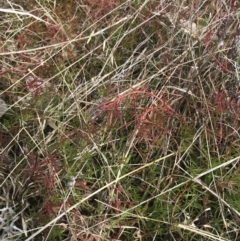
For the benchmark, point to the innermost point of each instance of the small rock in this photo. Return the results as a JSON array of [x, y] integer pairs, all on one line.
[[3, 107], [97, 111]]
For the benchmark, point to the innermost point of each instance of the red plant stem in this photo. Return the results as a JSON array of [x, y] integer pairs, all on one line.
[[207, 40], [221, 108], [219, 63], [233, 4]]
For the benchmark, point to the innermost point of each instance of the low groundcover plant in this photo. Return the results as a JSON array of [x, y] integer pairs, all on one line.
[[119, 120]]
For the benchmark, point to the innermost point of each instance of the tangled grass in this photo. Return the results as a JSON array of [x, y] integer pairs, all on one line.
[[122, 120]]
